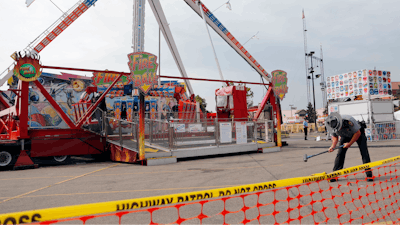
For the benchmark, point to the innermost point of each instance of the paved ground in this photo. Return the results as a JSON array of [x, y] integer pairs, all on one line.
[[85, 181]]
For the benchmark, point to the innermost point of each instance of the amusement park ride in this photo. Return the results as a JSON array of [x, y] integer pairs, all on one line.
[[25, 135]]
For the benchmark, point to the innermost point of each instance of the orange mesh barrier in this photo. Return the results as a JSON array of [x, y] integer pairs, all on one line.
[[350, 200]]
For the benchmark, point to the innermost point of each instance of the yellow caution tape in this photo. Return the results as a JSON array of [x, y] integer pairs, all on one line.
[[114, 206]]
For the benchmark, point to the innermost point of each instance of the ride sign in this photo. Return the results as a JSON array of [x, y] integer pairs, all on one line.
[[27, 69], [105, 79], [143, 68], [279, 82]]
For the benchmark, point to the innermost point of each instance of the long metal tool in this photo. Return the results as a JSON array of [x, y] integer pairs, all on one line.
[[305, 158]]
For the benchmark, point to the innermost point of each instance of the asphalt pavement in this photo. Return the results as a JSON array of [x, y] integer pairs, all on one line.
[[86, 181]]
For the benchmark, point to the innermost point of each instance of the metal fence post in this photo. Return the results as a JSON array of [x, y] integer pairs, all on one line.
[[137, 135], [255, 132], [133, 129], [271, 132], [120, 133], [171, 135], [151, 131], [106, 131], [216, 131], [104, 128]]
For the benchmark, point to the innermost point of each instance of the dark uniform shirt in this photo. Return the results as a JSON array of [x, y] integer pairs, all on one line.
[[349, 131]]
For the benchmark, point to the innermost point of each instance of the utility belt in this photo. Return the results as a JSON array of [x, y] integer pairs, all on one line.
[[363, 126]]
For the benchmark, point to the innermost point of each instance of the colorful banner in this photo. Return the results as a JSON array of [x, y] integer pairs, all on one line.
[[361, 82], [386, 131], [117, 109], [129, 109]]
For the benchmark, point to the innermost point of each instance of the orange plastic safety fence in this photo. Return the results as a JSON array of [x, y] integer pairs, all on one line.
[[352, 199]]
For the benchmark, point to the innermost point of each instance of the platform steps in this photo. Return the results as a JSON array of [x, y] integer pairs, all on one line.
[[155, 156]]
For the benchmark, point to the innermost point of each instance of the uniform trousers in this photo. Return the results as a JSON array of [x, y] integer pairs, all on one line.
[[362, 145], [305, 132]]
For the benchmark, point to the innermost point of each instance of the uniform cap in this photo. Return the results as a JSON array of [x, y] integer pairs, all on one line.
[[334, 122]]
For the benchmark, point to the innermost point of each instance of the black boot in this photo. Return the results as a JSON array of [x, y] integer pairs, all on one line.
[[368, 173]]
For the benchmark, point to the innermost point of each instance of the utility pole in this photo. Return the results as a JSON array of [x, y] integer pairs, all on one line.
[[291, 110], [313, 89], [323, 82], [306, 58]]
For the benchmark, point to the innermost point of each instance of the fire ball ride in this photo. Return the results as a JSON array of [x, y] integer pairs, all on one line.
[[129, 116]]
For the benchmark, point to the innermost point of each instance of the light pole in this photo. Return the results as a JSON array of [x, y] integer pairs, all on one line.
[[291, 110], [313, 89], [252, 37], [228, 5]]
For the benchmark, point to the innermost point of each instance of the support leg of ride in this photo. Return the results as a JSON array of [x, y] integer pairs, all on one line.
[[24, 160]]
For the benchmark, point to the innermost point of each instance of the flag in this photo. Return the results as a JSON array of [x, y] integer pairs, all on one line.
[[228, 5], [29, 2], [303, 15]]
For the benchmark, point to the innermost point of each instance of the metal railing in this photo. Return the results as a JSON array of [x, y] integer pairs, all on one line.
[[80, 109], [265, 130], [174, 116], [191, 134], [170, 135], [120, 132], [211, 133]]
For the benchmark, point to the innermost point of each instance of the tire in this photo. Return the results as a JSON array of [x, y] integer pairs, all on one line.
[[61, 159], [7, 159]]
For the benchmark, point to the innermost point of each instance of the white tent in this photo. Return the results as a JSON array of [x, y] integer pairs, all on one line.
[[397, 115]]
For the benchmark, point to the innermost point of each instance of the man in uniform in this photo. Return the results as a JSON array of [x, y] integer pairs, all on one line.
[[349, 131], [305, 127]]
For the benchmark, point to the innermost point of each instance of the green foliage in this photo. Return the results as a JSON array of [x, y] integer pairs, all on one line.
[[202, 102], [249, 93], [249, 96], [311, 113]]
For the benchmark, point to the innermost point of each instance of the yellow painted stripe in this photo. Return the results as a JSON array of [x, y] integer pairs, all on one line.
[[152, 172], [126, 191], [113, 206], [33, 178], [150, 150], [30, 192]]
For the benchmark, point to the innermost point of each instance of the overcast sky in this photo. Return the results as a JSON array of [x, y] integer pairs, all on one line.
[[354, 34]]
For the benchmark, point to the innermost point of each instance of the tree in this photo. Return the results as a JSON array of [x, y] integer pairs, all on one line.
[[202, 102], [249, 96], [311, 114]]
